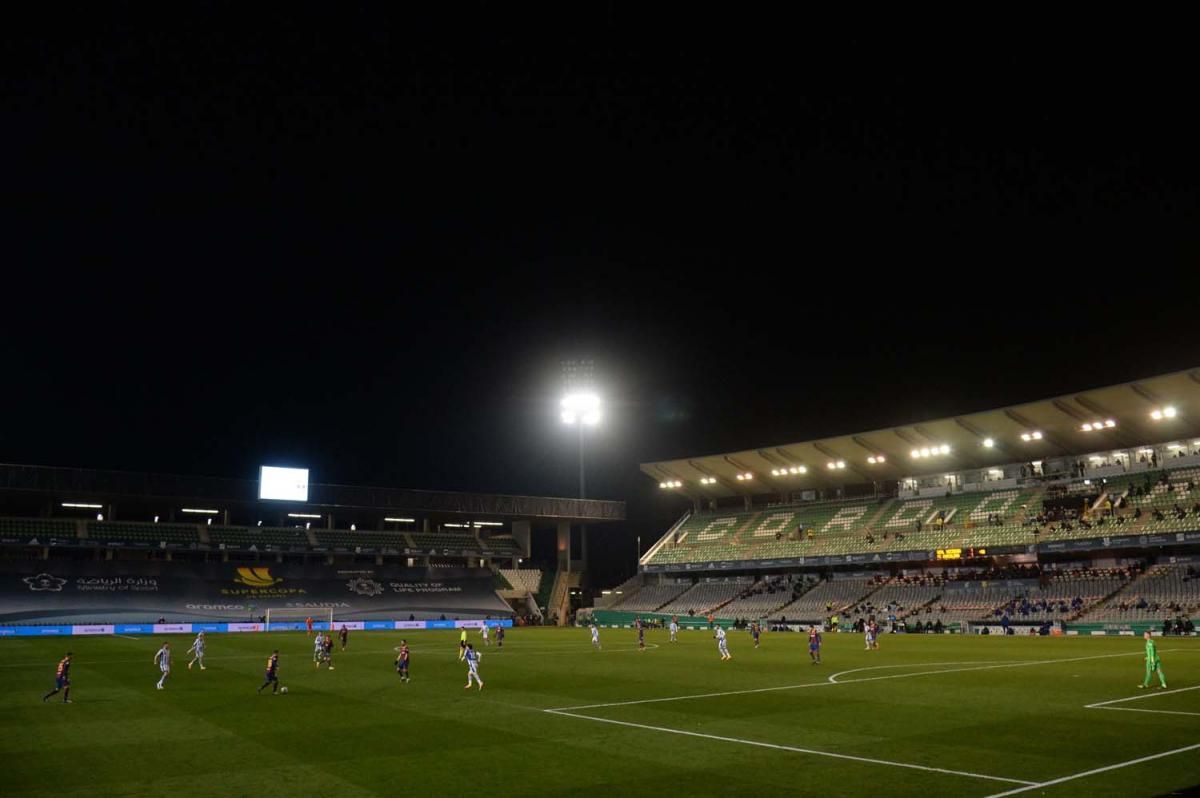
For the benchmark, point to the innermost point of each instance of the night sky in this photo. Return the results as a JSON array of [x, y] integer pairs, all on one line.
[[364, 243]]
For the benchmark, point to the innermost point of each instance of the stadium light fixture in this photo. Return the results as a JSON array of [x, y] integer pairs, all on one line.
[[1110, 423], [199, 511], [1086, 428], [82, 506], [156, 519], [303, 515], [876, 459], [354, 527], [988, 443], [489, 523], [399, 520], [581, 408], [208, 521], [99, 516], [260, 523]]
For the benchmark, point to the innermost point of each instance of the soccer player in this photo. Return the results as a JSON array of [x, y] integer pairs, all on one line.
[[198, 648], [272, 673], [309, 623], [462, 645], [472, 657], [345, 635], [329, 651], [499, 636], [641, 630], [1153, 664], [875, 635], [402, 661], [674, 628], [483, 630], [595, 637], [814, 645], [318, 651], [869, 635], [755, 631], [722, 643], [163, 660], [62, 680]]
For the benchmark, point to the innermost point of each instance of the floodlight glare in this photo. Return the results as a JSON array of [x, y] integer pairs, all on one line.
[[1037, 436], [1086, 428], [1110, 423], [581, 407], [945, 448], [988, 443], [1169, 412], [1025, 436], [1156, 415]]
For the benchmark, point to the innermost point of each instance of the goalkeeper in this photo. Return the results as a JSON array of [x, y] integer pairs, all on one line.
[[1153, 664]]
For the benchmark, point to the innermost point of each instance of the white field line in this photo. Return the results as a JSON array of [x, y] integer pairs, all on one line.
[[1152, 711], [833, 680], [1140, 697], [1094, 771], [793, 749]]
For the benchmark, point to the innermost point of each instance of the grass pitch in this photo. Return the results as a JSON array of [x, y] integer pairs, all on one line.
[[923, 716]]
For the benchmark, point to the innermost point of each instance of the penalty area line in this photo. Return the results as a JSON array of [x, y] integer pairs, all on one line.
[[793, 749], [1095, 771], [1142, 696]]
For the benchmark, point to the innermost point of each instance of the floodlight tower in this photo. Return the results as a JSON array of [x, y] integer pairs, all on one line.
[[581, 409]]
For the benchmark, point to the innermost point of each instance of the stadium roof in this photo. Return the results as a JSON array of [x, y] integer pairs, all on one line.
[[1055, 427], [87, 483]]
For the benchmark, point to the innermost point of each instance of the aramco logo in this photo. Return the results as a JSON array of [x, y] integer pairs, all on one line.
[[256, 577]]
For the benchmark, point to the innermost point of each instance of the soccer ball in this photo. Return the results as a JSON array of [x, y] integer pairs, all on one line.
[[283, 690]]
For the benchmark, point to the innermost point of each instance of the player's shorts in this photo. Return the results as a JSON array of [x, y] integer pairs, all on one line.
[[164, 667], [271, 677], [60, 682], [813, 647]]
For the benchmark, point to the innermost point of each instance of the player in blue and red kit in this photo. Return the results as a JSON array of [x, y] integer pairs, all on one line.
[[62, 680], [814, 645], [402, 661], [272, 673], [755, 632]]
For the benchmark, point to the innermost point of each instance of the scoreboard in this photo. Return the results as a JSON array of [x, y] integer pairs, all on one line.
[[958, 554]]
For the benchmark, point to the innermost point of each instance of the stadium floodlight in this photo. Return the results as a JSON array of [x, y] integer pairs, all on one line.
[[988, 443], [260, 523], [99, 516], [208, 521], [1159, 413], [916, 453], [1110, 423], [354, 527], [199, 511], [399, 520], [156, 519], [945, 448], [303, 515], [924, 452], [82, 505], [1037, 435], [581, 408], [1086, 428]]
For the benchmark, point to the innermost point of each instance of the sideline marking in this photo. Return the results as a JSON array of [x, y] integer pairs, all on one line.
[[794, 749]]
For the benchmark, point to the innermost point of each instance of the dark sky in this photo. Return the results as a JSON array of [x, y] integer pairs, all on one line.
[[363, 243]]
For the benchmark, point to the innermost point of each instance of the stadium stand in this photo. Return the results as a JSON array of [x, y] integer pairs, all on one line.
[[762, 598], [444, 540], [828, 597], [504, 546], [525, 579], [183, 534], [1163, 592], [257, 536], [650, 597], [348, 539], [23, 529], [705, 596]]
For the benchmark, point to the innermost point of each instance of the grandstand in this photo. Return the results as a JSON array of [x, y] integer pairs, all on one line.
[[1164, 591], [703, 597], [650, 598], [828, 598]]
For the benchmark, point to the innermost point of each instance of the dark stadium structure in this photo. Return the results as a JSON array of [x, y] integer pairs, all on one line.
[[81, 546], [1078, 511]]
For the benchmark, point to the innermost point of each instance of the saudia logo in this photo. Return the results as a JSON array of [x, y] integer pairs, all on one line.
[[45, 582], [256, 577]]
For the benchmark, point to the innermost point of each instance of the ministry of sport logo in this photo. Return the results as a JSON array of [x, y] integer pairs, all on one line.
[[256, 577], [364, 587], [45, 582]]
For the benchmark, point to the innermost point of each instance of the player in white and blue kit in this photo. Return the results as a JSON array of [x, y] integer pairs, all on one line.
[[198, 648], [674, 629], [483, 630], [722, 644], [595, 637], [163, 660], [472, 657], [318, 651]]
